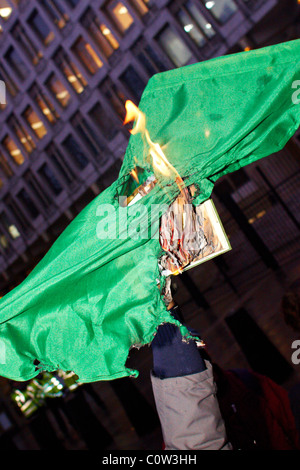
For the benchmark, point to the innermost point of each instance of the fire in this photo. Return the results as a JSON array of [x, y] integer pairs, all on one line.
[[159, 160]]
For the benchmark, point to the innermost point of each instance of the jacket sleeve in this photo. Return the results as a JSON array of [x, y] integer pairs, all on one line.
[[189, 412]]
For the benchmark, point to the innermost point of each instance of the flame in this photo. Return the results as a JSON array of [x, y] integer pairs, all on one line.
[[159, 160], [135, 176]]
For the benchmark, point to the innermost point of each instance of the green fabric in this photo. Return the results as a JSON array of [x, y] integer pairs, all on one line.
[[89, 300]]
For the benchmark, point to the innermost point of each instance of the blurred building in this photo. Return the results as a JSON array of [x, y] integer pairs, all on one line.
[[69, 66]]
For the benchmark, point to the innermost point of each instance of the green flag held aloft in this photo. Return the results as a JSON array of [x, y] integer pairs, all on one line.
[[91, 298]]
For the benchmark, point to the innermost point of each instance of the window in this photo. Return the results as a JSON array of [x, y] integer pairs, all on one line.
[[17, 214], [26, 44], [201, 21], [101, 118], [9, 83], [16, 63], [116, 97], [3, 241], [87, 55], [56, 12], [49, 177], [140, 6], [13, 150], [120, 15], [87, 134], [22, 134], [9, 226], [174, 47], [70, 71], [149, 59], [194, 24], [133, 81], [38, 191], [75, 152], [58, 90], [28, 203], [222, 10], [44, 103], [35, 122], [5, 167], [41, 28], [100, 33], [58, 161], [5, 10]]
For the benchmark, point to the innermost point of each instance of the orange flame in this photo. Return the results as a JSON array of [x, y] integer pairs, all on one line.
[[159, 160]]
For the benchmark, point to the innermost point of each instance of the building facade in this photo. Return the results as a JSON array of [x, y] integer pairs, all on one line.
[[68, 67]]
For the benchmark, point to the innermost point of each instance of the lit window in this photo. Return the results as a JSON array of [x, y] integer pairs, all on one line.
[[5, 9], [70, 71], [174, 47], [16, 63], [13, 150], [59, 91], [191, 28], [3, 240], [44, 103], [35, 122], [9, 83], [87, 55], [222, 10], [5, 167], [194, 24], [23, 136], [120, 15], [55, 12], [201, 21], [41, 28], [26, 44], [100, 33], [14, 232], [9, 226], [17, 214], [140, 6]]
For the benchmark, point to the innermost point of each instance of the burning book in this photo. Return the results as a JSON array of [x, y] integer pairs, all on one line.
[[188, 234]]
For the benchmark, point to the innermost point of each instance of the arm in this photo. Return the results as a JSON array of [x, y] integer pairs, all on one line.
[[185, 394]]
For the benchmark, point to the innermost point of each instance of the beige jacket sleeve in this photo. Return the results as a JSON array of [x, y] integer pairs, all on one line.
[[189, 412]]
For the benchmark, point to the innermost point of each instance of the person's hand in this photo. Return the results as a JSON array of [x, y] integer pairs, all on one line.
[[173, 355]]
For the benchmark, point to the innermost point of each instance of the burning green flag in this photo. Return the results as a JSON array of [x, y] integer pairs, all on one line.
[[94, 295]]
